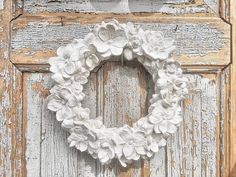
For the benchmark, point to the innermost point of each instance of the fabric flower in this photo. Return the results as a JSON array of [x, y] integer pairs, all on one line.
[[170, 68], [154, 142], [71, 58], [156, 46], [81, 113], [105, 152], [144, 126], [134, 143], [110, 39], [88, 57], [165, 120], [81, 76], [79, 140], [61, 98]]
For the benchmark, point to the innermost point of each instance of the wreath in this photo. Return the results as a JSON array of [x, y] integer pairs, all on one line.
[[71, 69]]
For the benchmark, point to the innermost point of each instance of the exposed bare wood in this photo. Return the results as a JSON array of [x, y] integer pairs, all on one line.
[[17, 8], [34, 41], [167, 6], [119, 104], [213, 5], [196, 133], [10, 103], [205, 145], [224, 9], [197, 137], [232, 93], [224, 122]]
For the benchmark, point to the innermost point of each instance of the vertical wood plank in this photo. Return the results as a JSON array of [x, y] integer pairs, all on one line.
[[118, 6], [192, 151], [158, 165], [48, 153], [233, 91], [122, 95], [224, 122], [33, 128], [11, 149], [224, 9], [209, 127]]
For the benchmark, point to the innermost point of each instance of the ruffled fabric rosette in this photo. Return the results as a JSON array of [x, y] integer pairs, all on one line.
[[71, 69]]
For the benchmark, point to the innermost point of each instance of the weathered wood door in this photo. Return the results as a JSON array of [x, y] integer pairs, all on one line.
[[32, 143]]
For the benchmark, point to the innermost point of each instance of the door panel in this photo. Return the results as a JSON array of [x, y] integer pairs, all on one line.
[[119, 6], [120, 94], [199, 41], [33, 144]]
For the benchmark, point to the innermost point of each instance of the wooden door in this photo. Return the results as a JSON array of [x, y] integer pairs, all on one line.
[[32, 143]]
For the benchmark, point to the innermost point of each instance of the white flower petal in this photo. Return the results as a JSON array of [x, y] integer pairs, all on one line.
[[134, 156], [118, 151], [171, 128], [59, 115], [104, 34], [70, 68], [156, 129], [155, 119], [82, 146], [162, 142], [116, 51], [149, 154], [54, 104], [100, 46], [72, 102], [105, 159], [154, 147], [68, 123], [163, 126], [102, 153], [140, 150], [65, 93], [72, 143], [128, 150], [58, 78]]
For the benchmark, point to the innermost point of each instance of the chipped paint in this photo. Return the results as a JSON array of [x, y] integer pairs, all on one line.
[[1, 4], [117, 6], [35, 42]]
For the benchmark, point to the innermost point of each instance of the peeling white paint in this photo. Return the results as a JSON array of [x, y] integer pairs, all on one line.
[[115, 6], [1, 4], [192, 39], [196, 140]]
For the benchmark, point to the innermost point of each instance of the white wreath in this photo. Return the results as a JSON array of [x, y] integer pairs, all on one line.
[[71, 69]]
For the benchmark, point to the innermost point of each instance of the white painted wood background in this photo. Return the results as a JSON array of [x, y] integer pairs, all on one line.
[[120, 92]]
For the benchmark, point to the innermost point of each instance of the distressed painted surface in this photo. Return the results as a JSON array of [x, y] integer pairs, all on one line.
[[224, 10], [13, 129], [213, 4], [225, 120], [1, 4], [232, 121], [120, 94], [10, 103], [196, 152], [198, 41], [117, 6]]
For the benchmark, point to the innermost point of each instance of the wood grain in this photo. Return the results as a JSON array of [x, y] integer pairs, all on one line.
[[225, 122], [192, 152], [199, 41], [30, 31], [232, 140], [224, 9], [120, 6], [11, 161]]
